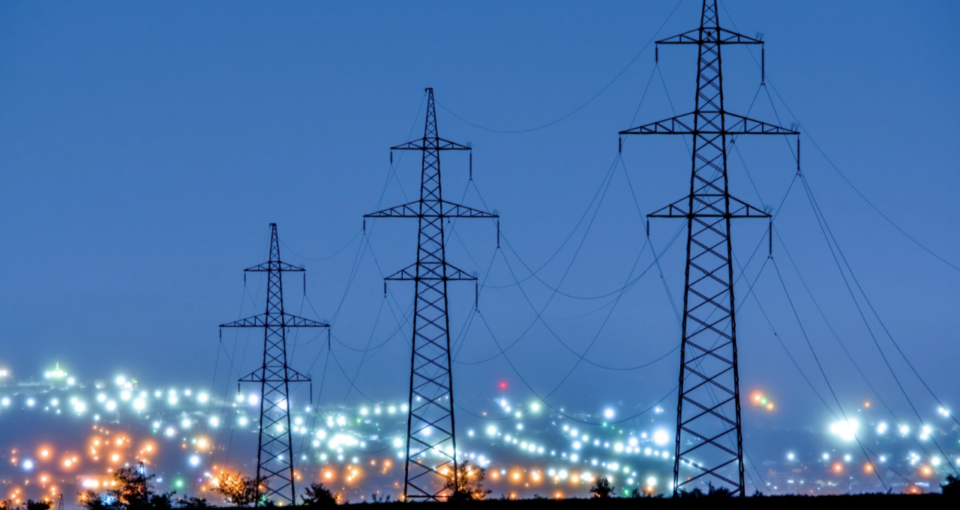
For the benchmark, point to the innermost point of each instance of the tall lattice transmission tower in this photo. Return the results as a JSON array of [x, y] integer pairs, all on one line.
[[709, 441], [275, 475], [431, 453]]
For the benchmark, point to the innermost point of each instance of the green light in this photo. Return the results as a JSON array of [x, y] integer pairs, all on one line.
[[763, 401]]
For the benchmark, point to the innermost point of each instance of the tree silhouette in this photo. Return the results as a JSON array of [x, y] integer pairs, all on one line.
[[951, 489], [602, 489], [467, 485], [238, 489], [316, 495], [132, 490]]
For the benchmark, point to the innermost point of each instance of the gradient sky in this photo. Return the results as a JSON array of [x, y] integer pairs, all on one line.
[[145, 148]]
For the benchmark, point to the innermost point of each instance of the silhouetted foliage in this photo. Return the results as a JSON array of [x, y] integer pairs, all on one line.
[[316, 495], [642, 494], [378, 498], [602, 489], [691, 494], [468, 484], [37, 505], [718, 492], [194, 502], [238, 489], [952, 487], [131, 490]]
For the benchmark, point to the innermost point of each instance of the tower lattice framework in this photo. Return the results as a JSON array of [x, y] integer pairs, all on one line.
[[275, 449], [709, 440], [431, 452]]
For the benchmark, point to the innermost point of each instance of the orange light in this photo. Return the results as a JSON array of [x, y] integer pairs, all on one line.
[[868, 468], [838, 467], [558, 495], [516, 476], [926, 471], [770, 406], [45, 453], [866, 404]]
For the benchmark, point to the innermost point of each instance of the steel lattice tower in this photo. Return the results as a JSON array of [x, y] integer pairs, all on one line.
[[275, 453], [709, 438], [431, 441]]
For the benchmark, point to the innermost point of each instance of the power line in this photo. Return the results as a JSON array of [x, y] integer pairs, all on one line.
[[582, 106]]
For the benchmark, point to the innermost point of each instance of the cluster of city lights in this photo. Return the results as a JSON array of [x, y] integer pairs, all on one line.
[[186, 437]]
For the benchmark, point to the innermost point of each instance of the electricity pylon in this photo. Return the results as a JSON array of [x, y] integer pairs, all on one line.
[[275, 450], [709, 438], [431, 441]]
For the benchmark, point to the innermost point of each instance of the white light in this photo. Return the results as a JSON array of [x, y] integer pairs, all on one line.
[[845, 430], [111, 405], [661, 437], [534, 407], [651, 482], [826, 456], [185, 423], [28, 464], [253, 399], [790, 456], [363, 411], [608, 413], [214, 421], [935, 461], [139, 404], [925, 432], [904, 430], [576, 445], [491, 430], [194, 460], [5, 402], [882, 428], [125, 395], [633, 441], [121, 380], [883, 458], [172, 399], [170, 432], [243, 421], [321, 434], [398, 442], [30, 402], [203, 398], [574, 457]]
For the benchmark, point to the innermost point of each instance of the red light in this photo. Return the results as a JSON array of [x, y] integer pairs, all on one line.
[[503, 385]]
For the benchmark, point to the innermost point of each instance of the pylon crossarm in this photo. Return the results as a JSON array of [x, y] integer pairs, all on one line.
[[435, 144], [431, 209], [273, 266], [681, 208], [708, 123], [747, 126], [294, 376], [710, 35], [431, 271], [277, 320]]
